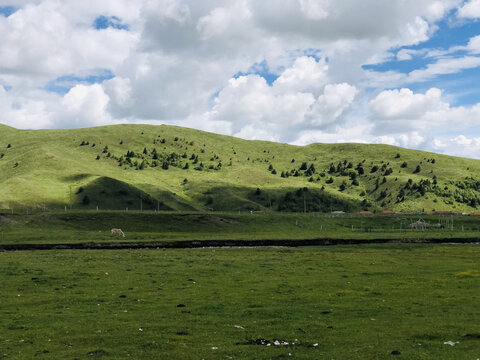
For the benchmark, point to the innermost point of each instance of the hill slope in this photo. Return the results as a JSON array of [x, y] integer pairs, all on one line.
[[174, 168]]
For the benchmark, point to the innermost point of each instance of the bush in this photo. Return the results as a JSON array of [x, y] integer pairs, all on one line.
[[417, 169]]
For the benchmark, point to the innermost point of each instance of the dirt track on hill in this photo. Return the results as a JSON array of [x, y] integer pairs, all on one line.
[[193, 244]]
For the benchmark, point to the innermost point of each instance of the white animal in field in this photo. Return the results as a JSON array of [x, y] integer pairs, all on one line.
[[118, 232]]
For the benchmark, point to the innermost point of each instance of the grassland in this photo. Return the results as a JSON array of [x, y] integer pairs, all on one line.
[[92, 226], [173, 168], [354, 302]]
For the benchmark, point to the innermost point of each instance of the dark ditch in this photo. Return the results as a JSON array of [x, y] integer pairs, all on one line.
[[193, 244]]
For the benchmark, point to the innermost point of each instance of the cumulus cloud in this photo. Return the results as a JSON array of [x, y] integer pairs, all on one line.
[[402, 110], [404, 104], [331, 104], [471, 9], [397, 111], [85, 106], [297, 98]]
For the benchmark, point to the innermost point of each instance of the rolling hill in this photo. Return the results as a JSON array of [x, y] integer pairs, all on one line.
[[173, 168]]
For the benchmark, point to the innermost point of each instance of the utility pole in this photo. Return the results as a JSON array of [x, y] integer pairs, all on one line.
[[70, 197]]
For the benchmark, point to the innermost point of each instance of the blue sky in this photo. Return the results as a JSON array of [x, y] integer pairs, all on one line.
[[299, 71], [6, 11], [462, 86]]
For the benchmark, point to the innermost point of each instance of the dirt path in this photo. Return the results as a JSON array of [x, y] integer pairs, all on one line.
[[192, 244]]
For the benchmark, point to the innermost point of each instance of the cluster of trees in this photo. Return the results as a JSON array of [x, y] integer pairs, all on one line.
[[154, 158]]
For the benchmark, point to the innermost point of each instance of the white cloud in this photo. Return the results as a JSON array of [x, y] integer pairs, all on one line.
[[306, 75], [404, 104], [444, 66], [474, 45], [298, 98], [331, 104], [43, 41], [314, 9], [85, 106], [471, 9], [402, 111]]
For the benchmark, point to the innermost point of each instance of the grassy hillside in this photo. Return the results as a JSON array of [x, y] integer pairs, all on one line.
[[174, 168]]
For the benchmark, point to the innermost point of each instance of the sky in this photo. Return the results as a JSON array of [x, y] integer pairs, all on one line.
[[399, 72]]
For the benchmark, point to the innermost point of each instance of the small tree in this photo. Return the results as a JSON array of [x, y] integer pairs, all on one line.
[[417, 169]]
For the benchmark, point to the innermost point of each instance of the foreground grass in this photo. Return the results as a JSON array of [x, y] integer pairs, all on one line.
[[354, 302], [92, 226]]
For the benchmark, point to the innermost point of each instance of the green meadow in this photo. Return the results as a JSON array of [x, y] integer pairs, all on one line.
[[148, 226], [345, 302]]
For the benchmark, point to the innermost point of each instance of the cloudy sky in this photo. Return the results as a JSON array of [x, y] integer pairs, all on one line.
[[401, 72]]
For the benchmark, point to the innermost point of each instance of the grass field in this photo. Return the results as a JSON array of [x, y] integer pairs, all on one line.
[[356, 302], [173, 168], [93, 226]]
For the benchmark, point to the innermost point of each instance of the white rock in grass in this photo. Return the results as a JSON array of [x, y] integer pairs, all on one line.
[[315, 345], [239, 327], [214, 348], [451, 343]]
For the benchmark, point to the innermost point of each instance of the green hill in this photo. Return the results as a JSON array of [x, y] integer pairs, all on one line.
[[174, 168]]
